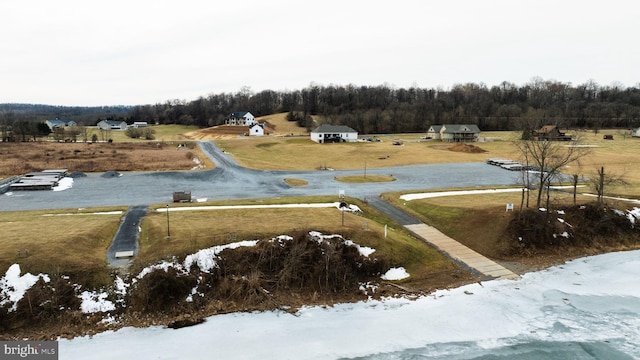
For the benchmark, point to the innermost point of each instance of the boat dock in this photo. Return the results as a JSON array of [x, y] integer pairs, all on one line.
[[43, 180]]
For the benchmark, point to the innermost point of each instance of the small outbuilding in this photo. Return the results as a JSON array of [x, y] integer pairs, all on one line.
[[635, 132], [256, 130], [326, 133]]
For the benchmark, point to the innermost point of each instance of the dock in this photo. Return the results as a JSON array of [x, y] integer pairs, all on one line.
[[43, 180]]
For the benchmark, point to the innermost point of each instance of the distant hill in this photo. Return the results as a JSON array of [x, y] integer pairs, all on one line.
[[88, 115], [277, 125]]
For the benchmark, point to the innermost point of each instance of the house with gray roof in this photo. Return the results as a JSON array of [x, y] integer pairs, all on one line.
[[434, 132], [460, 133], [455, 132], [326, 133], [59, 124], [112, 125]]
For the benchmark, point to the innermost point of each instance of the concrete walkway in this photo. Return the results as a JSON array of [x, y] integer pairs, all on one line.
[[486, 267], [476, 262]]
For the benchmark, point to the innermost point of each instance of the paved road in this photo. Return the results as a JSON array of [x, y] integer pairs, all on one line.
[[126, 238], [393, 212], [230, 181]]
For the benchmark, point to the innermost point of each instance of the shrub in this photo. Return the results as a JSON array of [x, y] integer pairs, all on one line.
[[134, 133], [160, 291]]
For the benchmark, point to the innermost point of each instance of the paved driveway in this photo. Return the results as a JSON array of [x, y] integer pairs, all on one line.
[[230, 181]]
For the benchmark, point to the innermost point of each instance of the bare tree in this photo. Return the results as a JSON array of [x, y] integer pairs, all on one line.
[[549, 157], [73, 132], [603, 180]]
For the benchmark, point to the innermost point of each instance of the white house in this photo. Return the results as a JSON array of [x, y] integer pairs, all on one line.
[[434, 131], [112, 125], [139, 124], [635, 132], [454, 132], [326, 133], [256, 130], [57, 123], [240, 118]]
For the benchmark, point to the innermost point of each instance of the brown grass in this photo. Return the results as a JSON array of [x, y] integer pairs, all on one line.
[[194, 230], [276, 125], [20, 158], [619, 157], [47, 242], [296, 182], [365, 178], [480, 221]]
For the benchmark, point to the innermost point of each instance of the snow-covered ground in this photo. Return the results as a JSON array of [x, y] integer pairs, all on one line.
[[593, 301]]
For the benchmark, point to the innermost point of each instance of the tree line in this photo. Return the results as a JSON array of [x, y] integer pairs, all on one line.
[[385, 109]]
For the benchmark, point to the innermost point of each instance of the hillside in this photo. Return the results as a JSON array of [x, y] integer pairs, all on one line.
[[277, 125]]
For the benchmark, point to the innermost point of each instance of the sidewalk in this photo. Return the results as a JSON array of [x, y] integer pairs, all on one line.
[[461, 253], [473, 260]]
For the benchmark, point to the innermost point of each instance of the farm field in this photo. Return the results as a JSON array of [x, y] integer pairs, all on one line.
[[21, 158]]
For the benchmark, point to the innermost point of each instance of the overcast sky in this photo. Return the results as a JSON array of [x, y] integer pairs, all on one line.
[[117, 52]]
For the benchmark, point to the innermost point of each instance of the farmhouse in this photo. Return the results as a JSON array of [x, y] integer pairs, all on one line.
[[326, 133], [454, 132], [550, 133], [112, 125], [59, 124], [240, 118]]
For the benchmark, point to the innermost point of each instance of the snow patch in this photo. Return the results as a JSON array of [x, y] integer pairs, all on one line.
[[63, 184], [93, 302], [13, 286], [398, 273]]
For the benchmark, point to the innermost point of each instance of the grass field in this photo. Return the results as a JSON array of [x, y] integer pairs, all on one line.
[[479, 220], [171, 132], [619, 157], [75, 242], [200, 229], [70, 242]]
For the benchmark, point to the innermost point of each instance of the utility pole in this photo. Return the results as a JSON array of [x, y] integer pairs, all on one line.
[[168, 231]]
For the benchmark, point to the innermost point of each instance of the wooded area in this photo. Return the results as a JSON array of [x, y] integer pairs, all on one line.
[[386, 109]]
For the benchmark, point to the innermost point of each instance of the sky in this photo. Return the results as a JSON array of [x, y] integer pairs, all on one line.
[[79, 53]]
